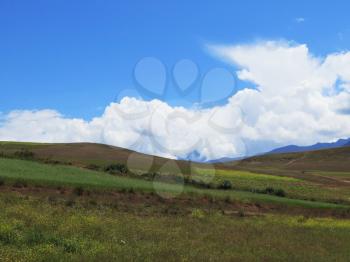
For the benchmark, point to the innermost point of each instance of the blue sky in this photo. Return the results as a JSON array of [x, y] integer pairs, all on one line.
[[77, 56]]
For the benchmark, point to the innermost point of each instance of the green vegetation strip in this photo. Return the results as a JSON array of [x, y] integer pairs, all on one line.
[[244, 174], [57, 175]]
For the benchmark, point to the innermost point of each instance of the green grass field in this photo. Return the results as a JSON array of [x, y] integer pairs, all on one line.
[[33, 229], [13, 170]]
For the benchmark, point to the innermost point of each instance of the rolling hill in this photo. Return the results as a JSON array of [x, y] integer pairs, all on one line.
[[91, 154], [335, 159]]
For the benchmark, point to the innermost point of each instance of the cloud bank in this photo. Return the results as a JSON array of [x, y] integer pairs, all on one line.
[[292, 97]]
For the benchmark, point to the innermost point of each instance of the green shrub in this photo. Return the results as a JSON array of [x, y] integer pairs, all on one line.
[[277, 192], [225, 185], [198, 183], [116, 169]]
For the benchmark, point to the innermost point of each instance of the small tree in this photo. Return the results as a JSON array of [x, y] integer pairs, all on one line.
[[225, 185]]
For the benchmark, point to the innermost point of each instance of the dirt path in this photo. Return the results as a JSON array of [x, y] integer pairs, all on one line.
[[335, 179], [295, 160]]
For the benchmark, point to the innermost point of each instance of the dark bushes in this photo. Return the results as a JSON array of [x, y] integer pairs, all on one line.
[[271, 191], [280, 193], [24, 154], [225, 185], [117, 169], [198, 183]]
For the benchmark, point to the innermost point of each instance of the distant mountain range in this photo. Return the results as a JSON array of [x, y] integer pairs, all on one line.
[[318, 146]]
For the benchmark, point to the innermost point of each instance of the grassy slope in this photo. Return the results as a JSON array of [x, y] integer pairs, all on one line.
[[84, 154], [337, 159], [44, 174], [325, 174], [294, 187]]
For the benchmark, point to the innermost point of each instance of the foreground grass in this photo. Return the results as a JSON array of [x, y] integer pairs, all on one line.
[[13, 170], [33, 229]]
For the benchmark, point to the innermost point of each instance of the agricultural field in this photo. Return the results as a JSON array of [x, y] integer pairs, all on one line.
[[24, 172], [294, 187]]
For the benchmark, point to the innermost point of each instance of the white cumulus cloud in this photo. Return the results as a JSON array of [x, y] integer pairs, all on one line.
[[292, 97]]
